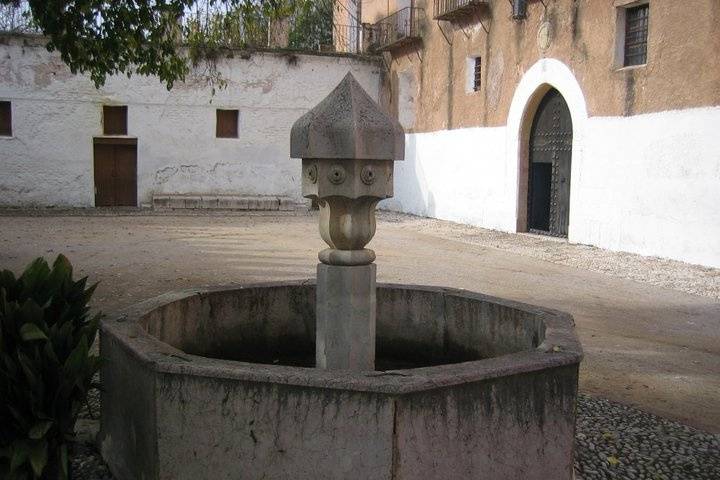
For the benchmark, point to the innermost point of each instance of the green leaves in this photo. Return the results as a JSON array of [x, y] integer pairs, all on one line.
[[38, 456], [30, 332], [105, 38], [39, 430], [46, 369], [313, 26], [148, 37]]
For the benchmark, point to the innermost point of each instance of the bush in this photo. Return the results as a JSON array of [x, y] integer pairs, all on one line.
[[46, 370]]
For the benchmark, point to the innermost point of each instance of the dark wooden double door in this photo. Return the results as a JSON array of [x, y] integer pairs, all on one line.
[[115, 173], [549, 169]]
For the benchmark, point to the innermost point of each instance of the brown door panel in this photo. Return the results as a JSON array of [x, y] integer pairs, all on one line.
[[115, 175], [104, 166], [126, 175]]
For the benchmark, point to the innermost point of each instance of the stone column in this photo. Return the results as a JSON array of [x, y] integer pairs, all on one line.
[[347, 145]]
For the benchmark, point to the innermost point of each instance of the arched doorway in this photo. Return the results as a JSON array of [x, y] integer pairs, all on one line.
[[550, 158]]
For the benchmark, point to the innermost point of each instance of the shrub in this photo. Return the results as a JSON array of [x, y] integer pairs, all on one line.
[[46, 370]]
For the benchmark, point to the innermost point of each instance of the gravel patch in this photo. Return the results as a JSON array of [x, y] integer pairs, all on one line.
[[661, 272], [91, 409], [613, 441], [85, 460], [87, 464]]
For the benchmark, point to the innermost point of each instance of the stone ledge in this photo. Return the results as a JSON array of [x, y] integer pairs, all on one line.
[[223, 202]]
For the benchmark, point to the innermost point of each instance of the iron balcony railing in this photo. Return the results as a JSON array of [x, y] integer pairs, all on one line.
[[347, 38], [400, 28], [454, 9]]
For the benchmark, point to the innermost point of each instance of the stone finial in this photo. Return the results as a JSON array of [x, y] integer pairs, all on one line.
[[347, 125], [347, 145]]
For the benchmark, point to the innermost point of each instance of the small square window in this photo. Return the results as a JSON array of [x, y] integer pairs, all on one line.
[[636, 35], [5, 119], [477, 74], [227, 124], [114, 120]]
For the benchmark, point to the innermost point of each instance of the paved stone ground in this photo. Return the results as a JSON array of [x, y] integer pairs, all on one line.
[[649, 327]]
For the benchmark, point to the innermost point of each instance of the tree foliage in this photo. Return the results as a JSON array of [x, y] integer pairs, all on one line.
[[313, 26], [107, 37], [102, 38]]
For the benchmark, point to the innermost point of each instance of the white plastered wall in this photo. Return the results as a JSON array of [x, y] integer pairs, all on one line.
[[647, 184], [49, 159]]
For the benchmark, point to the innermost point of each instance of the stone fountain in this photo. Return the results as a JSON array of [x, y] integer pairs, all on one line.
[[343, 378]]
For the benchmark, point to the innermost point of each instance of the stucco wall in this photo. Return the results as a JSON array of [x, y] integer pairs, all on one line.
[[650, 184], [681, 71], [49, 158], [459, 175], [645, 157], [647, 184]]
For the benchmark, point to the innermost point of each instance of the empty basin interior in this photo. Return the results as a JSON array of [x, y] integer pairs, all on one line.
[[416, 326]]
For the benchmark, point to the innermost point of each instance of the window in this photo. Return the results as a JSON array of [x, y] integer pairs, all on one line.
[[636, 35], [477, 74], [227, 124], [5, 119], [114, 120], [473, 74]]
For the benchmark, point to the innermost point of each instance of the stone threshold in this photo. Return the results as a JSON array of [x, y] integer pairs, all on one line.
[[224, 202]]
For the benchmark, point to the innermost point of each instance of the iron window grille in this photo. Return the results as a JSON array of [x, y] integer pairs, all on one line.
[[456, 9], [347, 38], [636, 35], [477, 74]]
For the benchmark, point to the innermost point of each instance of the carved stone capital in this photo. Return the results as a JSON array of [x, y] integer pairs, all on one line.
[[348, 146]]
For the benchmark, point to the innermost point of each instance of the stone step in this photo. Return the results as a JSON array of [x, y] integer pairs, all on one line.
[[223, 202]]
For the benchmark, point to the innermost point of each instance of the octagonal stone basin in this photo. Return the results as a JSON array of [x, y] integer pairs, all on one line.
[[219, 384]]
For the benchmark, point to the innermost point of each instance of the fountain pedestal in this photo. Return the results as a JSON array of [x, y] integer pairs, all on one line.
[[346, 306], [347, 146]]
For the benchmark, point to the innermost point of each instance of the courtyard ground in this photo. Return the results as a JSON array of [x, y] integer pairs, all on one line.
[[650, 327]]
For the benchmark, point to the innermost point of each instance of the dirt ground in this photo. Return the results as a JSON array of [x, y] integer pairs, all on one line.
[[650, 328]]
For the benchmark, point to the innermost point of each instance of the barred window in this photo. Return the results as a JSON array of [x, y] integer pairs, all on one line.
[[636, 35], [477, 74]]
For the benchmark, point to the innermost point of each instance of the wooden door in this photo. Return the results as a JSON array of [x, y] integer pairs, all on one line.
[[550, 163], [115, 174]]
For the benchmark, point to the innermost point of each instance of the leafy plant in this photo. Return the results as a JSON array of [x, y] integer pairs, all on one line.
[[313, 26], [46, 368]]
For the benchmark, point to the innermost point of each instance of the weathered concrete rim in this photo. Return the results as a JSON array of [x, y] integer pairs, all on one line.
[[561, 347]]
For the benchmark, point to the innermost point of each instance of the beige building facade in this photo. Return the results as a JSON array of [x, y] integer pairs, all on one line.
[[586, 35], [599, 111]]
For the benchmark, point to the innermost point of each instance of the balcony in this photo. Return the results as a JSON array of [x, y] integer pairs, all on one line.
[[396, 30], [452, 10]]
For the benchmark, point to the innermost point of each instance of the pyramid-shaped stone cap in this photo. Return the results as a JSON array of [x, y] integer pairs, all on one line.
[[347, 124]]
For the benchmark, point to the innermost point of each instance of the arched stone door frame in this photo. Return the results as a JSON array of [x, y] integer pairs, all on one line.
[[544, 75]]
